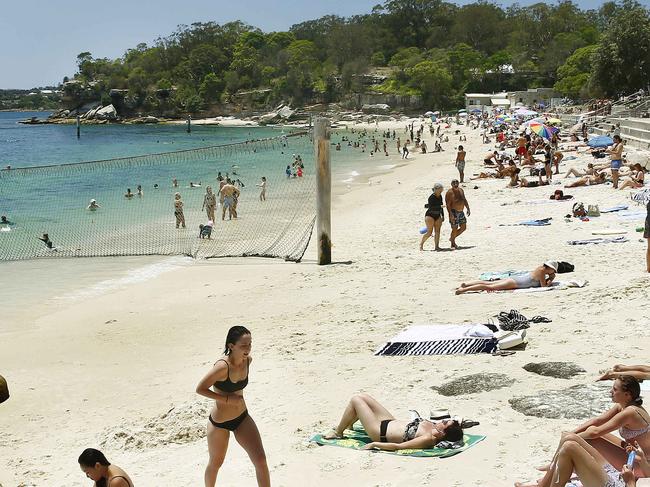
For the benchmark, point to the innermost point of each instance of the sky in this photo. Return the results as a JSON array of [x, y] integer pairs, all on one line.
[[39, 43]]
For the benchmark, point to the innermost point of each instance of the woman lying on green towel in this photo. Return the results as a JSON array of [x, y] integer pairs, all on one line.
[[393, 434], [541, 276]]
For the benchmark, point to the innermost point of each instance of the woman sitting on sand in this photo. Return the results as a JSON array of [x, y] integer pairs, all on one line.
[[575, 455], [434, 216], [94, 464], [541, 276], [636, 178], [598, 178], [228, 377], [632, 421], [388, 433], [639, 372]]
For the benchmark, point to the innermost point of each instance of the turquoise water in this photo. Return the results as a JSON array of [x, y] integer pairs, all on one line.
[[52, 197]]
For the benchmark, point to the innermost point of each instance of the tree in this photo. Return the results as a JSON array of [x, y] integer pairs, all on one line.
[[211, 88], [574, 75], [621, 64], [432, 81]]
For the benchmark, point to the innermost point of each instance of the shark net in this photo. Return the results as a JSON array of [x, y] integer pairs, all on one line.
[[48, 211]]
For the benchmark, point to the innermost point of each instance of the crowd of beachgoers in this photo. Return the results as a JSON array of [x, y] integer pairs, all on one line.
[[524, 149]]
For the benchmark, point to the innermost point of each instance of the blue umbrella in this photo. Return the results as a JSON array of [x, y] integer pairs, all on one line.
[[600, 141], [476, 110]]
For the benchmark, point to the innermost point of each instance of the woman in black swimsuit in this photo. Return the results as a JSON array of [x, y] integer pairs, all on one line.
[[388, 433], [228, 377], [94, 464], [434, 216]]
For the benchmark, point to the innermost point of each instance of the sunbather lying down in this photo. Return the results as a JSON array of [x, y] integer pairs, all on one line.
[[541, 276], [388, 433], [639, 372], [598, 178]]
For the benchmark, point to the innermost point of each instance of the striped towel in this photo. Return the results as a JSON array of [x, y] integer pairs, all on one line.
[[440, 340]]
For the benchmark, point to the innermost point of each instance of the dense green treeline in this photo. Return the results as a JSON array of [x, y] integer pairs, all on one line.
[[431, 48]]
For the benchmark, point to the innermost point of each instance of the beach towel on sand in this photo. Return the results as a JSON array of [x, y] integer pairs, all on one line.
[[599, 240], [556, 286], [357, 438], [529, 223], [615, 209], [440, 340]]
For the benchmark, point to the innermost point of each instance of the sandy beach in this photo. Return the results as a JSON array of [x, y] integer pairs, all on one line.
[[117, 370]]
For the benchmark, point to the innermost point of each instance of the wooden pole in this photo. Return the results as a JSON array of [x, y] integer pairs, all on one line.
[[78, 127], [324, 190]]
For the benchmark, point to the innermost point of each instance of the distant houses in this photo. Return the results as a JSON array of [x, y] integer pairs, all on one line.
[[533, 97]]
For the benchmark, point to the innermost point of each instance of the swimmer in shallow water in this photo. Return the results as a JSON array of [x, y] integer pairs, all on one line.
[[46, 240], [93, 206], [4, 221]]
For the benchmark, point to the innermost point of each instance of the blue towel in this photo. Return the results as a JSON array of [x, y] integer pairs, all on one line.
[[495, 276], [536, 223]]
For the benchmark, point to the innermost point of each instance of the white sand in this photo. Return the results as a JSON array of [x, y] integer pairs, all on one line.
[[103, 371]]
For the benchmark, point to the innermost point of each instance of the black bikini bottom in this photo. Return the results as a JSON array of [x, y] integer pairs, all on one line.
[[383, 427], [230, 425]]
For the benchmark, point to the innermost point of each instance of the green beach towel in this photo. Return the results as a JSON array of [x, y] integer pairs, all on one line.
[[357, 438]]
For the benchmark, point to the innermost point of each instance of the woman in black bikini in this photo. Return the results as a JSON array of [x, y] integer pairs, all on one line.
[[94, 464], [434, 216], [388, 433], [228, 377]]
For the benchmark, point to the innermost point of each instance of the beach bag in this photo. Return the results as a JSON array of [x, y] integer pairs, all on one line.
[[510, 339], [592, 210]]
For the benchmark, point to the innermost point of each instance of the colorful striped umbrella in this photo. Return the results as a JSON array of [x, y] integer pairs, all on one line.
[[542, 130]]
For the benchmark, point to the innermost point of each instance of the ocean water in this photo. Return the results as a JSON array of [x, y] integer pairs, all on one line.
[[42, 203]]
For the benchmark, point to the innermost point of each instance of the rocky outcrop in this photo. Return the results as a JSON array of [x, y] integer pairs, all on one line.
[[107, 113], [376, 108], [147, 119], [471, 384], [578, 402], [559, 370]]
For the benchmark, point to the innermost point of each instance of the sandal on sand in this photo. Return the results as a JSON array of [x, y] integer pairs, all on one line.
[[332, 435]]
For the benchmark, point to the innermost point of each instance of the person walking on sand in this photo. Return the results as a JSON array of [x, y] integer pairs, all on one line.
[[456, 203], [94, 464], [434, 216], [262, 187], [178, 210], [209, 202], [460, 162], [228, 377], [230, 193]]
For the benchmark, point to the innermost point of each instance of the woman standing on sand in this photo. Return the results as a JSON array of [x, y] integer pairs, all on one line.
[[434, 216], [228, 377], [94, 464]]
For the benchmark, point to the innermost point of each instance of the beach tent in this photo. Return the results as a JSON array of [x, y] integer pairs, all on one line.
[[525, 112], [600, 141]]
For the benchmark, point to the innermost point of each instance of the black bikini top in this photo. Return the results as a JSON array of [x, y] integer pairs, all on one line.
[[230, 386]]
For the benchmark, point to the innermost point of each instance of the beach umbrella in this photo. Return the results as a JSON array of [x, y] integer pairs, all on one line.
[[462, 110], [476, 110], [554, 121], [525, 112], [542, 130], [429, 113], [436, 113], [462, 114], [600, 141]]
